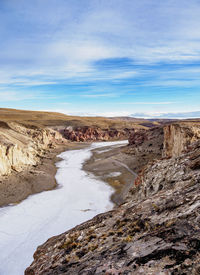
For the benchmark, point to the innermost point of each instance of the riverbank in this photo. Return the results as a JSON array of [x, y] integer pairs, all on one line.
[[111, 165], [33, 179]]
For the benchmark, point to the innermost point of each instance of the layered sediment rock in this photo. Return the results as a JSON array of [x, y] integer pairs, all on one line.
[[94, 134], [155, 231], [178, 136], [22, 145]]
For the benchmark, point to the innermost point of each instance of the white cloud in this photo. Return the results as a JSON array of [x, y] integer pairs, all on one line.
[[62, 45], [99, 114], [15, 96], [69, 39], [147, 115], [149, 103], [95, 95], [8, 95]]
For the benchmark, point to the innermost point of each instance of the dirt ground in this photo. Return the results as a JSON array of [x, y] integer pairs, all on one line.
[[112, 166]]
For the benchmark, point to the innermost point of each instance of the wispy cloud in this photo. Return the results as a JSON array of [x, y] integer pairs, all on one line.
[[9, 96], [100, 95], [150, 103], [68, 40], [104, 46], [16, 96]]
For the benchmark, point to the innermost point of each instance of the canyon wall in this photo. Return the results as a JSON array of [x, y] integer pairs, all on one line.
[[24, 145], [86, 133], [144, 145], [174, 138], [178, 136], [150, 138]]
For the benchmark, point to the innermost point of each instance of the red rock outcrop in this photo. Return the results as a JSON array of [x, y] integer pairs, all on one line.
[[84, 134], [137, 137]]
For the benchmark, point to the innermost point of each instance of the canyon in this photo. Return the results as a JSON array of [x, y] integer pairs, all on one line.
[[30, 141], [25, 136], [78, 197], [154, 227], [155, 230]]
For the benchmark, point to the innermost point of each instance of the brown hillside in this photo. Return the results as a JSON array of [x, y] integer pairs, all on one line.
[[51, 119]]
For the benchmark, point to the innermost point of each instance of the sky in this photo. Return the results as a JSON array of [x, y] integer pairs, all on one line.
[[101, 57]]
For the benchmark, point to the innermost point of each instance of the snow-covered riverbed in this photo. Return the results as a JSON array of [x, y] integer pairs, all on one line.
[[79, 197]]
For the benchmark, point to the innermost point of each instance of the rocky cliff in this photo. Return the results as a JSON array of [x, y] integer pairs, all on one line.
[[144, 145], [153, 137], [24, 145], [178, 136], [87, 133], [174, 138]]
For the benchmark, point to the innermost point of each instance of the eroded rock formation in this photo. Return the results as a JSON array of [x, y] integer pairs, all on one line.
[[86, 133], [22, 145], [155, 231]]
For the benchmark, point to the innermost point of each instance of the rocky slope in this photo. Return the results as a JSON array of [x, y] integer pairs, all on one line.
[[144, 145], [151, 137], [155, 231], [22, 145], [27, 154]]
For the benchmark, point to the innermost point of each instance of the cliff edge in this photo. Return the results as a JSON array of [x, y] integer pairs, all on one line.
[[23, 145], [178, 136]]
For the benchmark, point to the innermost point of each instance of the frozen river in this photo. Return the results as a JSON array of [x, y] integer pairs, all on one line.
[[79, 197]]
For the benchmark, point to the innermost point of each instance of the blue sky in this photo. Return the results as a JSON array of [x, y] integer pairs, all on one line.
[[101, 57]]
